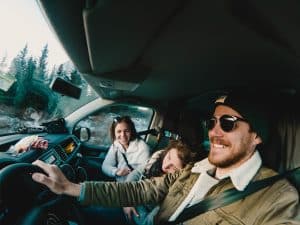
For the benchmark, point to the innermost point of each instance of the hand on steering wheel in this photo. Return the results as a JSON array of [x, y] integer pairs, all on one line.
[[55, 180]]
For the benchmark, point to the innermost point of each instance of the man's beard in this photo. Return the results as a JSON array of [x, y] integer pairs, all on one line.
[[232, 157], [228, 161]]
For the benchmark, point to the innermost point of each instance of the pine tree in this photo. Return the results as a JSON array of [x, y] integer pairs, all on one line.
[[31, 68], [18, 65], [76, 77], [62, 73], [42, 65], [19, 69]]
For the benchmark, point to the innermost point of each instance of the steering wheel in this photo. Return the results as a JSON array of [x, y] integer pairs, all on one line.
[[17, 189]]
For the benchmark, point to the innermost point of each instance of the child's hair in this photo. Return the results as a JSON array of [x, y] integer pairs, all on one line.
[[184, 153]]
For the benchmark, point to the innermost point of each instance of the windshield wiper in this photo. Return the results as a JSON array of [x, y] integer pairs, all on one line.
[[32, 130], [52, 127], [27, 130]]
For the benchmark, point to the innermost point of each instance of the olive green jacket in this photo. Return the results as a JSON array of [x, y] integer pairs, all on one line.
[[275, 204]]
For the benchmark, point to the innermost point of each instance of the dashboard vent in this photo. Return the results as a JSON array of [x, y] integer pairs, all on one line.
[[60, 152]]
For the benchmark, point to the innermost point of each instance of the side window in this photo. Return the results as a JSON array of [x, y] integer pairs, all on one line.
[[100, 121]]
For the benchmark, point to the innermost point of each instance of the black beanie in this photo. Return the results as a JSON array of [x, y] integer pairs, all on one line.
[[251, 108]]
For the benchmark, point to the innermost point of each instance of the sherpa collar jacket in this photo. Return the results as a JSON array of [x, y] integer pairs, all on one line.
[[275, 204]]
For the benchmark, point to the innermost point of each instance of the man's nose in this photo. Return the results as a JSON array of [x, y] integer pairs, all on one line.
[[216, 130]]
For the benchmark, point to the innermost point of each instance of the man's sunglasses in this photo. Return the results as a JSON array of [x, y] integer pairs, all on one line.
[[227, 122]]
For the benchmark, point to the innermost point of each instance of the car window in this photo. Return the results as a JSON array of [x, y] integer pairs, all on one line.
[[100, 121], [30, 59]]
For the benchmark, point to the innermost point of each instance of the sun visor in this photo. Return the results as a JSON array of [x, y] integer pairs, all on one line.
[[119, 33]]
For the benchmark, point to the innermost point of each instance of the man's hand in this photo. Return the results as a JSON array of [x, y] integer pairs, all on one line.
[[129, 211], [123, 171], [56, 180]]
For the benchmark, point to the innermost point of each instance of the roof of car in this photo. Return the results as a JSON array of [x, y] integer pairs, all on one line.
[[189, 50]]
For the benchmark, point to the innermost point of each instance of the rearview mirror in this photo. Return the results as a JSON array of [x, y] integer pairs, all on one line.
[[65, 88]]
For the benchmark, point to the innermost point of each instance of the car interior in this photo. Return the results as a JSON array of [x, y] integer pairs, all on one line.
[[163, 63]]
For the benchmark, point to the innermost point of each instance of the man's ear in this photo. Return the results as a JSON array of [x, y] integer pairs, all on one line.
[[257, 139]]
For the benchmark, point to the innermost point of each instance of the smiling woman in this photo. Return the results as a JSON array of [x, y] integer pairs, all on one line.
[[127, 152]]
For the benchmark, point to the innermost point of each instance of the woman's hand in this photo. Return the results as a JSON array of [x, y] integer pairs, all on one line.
[[40, 143], [129, 211], [56, 180], [30, 141], [123, 171]]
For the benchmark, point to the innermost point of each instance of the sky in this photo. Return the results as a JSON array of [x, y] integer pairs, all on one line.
[[21, 23]]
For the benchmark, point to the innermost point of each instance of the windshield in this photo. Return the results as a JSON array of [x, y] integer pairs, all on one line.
[[30, 59]]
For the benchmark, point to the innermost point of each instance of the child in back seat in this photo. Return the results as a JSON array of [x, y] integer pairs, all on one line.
[[174, 157]]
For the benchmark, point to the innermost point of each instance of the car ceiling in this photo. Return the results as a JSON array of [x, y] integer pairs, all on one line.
[[176, 49]]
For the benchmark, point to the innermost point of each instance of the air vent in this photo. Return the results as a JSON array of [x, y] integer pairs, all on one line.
[[61, 153]]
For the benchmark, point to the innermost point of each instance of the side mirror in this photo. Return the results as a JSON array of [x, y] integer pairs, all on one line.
[[83, 133]]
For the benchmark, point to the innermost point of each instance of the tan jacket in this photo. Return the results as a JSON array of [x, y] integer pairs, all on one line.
[[276, 204]]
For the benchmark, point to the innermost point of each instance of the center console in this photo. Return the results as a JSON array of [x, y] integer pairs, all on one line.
[[63, 152]]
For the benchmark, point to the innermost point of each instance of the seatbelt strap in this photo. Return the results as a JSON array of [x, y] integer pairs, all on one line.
[[229, 196], [126, 160], [150, 131]]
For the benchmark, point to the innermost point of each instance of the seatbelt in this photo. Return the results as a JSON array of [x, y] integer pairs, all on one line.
[[229, 196], [150, 131], [126, 160]]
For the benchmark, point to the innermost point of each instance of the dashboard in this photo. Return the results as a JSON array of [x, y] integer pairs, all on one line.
[[62, 152]]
